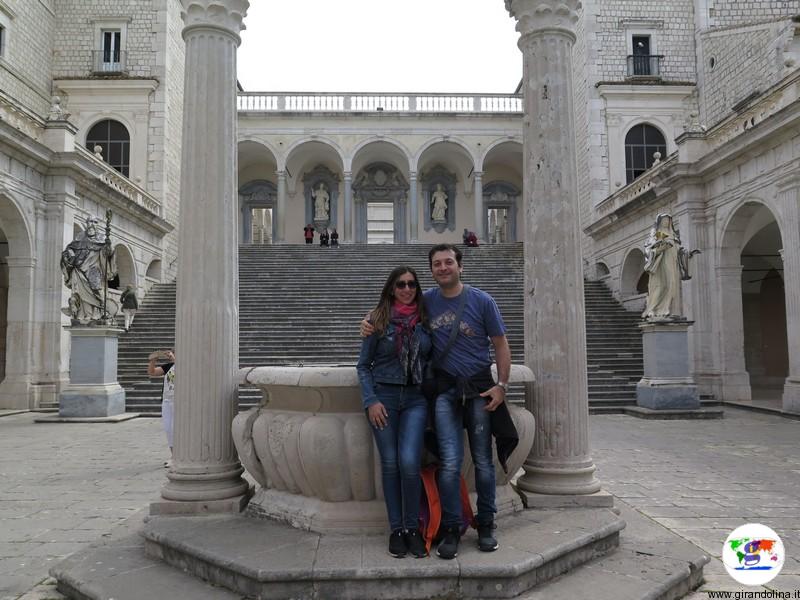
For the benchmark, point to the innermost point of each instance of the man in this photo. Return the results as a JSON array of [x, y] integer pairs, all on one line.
[[468, 394], [130, 304]]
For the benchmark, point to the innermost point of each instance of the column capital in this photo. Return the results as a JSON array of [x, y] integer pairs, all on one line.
[[227, 15], [477, 174], [412, 174], [280, 174], [347, 174], [537, 16]]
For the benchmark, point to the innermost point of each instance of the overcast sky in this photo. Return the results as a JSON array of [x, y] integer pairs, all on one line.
[[379, 46]]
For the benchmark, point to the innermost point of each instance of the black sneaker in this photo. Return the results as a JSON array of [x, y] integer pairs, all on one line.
[[448, 548], [415, 543], [397, 544], [486, 539]]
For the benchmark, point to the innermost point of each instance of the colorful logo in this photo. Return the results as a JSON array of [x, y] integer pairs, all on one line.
[[753, 554]]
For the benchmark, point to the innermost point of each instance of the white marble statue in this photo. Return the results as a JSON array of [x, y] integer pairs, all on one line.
[[321, 203], [88, 264], [663, 262], [439, 204]]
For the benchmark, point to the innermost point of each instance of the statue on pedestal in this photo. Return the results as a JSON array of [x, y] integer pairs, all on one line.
[[439, 204], [321, 203], [88, 264], [667, 263]]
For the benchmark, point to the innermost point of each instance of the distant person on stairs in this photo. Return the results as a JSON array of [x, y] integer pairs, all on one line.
[[308, 233], [167, 371], [334, 238], [324, 237], [129, 305], [390, 369]]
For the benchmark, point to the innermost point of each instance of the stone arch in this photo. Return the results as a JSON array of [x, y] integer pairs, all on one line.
[[380, 187], [258, 167], [455, 141], [383, 148], [126, 267], [491, 149], [257, 196], [601, 270], [154, 270], [631, 273], [291, 151], [751, 312], [16, 305]]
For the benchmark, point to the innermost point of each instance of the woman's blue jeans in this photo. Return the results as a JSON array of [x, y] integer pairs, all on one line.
[[400, 448], [450, 437]]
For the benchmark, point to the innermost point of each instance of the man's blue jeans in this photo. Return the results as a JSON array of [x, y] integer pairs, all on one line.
[[450, 437], [400, 448]]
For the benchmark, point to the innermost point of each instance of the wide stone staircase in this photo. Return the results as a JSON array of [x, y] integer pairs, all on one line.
[[302, 305]]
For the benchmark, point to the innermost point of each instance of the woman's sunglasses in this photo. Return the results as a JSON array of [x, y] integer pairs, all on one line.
[[401, 285]]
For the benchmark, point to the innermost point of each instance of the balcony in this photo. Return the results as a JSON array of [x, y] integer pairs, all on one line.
[[109, 62], [378, 103], [644, 66]]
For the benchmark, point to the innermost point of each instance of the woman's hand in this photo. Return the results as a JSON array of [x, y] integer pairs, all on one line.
[[377, 415]]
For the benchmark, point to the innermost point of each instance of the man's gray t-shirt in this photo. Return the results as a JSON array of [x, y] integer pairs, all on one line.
[[481, 320]]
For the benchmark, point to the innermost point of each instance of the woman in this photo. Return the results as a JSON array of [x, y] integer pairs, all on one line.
[[390, 371]]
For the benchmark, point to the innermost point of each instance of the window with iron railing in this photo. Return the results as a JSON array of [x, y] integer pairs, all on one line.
[[111, 57], [644, 65]]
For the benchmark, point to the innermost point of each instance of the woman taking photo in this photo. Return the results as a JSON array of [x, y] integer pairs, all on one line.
[[390, 371]]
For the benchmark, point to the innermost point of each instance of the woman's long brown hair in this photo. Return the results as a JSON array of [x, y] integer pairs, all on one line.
[[383, 312]]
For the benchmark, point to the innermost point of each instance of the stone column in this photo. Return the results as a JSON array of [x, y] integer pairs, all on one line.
[[280, 224], [206, 476], [15, 389], [480, 217], [555, 335], [348, 207], [413, 204], [734, 375], [789, 203]]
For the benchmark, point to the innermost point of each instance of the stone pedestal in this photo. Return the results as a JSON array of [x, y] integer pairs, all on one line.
[[93, 390], [667, 383]]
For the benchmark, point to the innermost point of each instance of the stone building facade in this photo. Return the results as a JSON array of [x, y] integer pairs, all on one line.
[[684, 106], [78, 76]]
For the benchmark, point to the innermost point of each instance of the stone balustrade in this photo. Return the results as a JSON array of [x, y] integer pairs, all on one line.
[[310, 448], [124, 186], [642, 184], [358, 102]]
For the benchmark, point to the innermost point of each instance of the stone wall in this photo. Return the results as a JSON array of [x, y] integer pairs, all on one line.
[[739, 62], [25, 66], [166, 126], [723, 13], [76, 35], [670, 25]]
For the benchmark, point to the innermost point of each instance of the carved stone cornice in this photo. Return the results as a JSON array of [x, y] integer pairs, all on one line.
[[226, 15], [534, 16]]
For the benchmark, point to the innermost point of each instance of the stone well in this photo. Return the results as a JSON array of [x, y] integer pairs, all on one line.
[[310, 448]]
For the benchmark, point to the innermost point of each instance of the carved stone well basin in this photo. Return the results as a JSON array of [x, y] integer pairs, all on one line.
[[310, 448]]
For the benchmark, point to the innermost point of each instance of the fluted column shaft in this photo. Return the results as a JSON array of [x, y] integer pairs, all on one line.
[[348, 207], [789, 203], [555, 335], [206, 467], [735, 379], [480, 217], [280, 224]]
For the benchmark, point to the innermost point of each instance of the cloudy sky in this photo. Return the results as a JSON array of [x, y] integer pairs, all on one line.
[[379, 46]]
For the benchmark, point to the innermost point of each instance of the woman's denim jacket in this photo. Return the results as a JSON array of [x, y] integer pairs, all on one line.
[[378, 361]]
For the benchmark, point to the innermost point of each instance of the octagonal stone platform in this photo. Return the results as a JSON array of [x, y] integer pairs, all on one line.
[[266, 559]]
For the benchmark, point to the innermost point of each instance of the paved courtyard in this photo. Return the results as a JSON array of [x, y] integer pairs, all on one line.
[[65, 485]]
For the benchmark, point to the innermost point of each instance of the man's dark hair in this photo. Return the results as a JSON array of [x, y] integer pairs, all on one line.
[[444, 248]]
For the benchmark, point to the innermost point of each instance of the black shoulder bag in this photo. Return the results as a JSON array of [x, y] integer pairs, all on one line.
[[430, 385]]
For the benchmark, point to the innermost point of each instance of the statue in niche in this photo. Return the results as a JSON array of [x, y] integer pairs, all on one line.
[[667, 263], [439, 204], [88, 264], [321, 203]]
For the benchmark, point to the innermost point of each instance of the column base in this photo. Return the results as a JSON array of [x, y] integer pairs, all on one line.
[[736, 387], [205, 487], [601, 499], [236, 504], [791, 396], [16, 393], [551, 479]]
